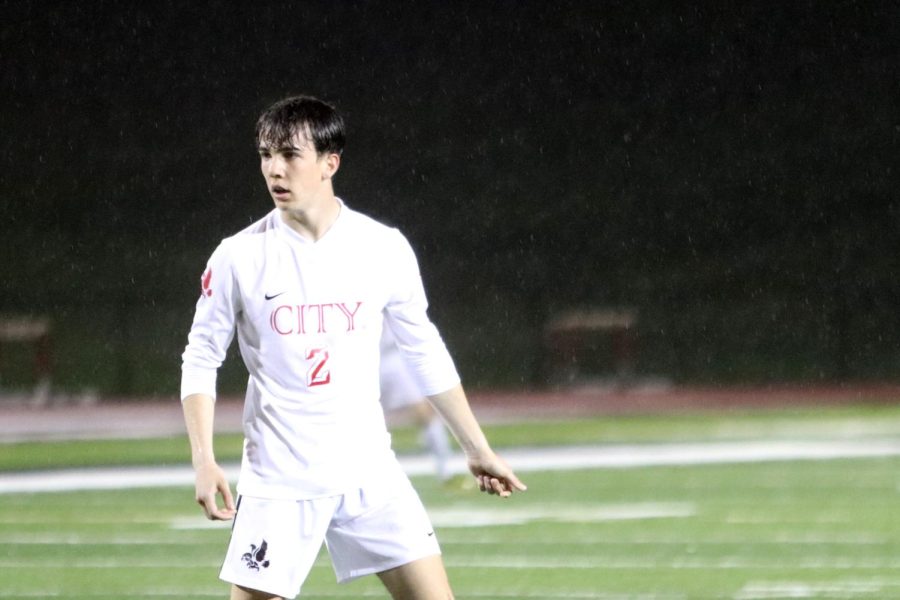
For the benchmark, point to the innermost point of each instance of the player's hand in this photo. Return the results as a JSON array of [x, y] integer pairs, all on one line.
[[494, 476], [210, 482]]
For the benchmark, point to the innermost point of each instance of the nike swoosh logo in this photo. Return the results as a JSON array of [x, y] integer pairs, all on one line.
[[268, 297]]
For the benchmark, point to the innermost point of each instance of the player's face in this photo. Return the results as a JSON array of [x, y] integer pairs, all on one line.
[[296, 176]]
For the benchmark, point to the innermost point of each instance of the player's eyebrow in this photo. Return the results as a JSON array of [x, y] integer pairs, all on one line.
[[264, 148]]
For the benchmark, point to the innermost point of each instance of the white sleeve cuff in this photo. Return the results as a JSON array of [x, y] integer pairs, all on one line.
[[197, 380]]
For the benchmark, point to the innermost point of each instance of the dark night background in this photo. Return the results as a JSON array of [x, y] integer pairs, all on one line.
[[729, 171]]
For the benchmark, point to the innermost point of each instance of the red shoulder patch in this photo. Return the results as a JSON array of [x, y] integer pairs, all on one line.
[[205, 282]]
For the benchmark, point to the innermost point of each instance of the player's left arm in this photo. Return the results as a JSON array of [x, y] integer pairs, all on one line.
[[491, 472], [426, 355]]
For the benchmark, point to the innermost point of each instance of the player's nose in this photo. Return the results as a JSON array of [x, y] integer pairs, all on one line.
[[275, 166]]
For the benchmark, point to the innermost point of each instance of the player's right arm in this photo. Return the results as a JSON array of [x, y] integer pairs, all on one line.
[[211, 334], [210, 481]]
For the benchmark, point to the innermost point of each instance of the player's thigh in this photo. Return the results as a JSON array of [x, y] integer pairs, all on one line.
[[422, 412], [380, 527], [240, 593], [423, 579]]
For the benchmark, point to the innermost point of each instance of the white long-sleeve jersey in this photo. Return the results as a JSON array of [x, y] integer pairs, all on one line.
[[309, 317]]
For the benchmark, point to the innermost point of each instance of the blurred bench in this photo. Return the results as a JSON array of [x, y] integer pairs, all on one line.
[[591, 343], [28, 335]]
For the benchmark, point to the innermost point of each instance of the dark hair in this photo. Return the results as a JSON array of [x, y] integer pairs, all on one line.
[[278, 124]]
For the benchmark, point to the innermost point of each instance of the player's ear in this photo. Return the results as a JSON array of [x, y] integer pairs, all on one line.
[[330, 165]]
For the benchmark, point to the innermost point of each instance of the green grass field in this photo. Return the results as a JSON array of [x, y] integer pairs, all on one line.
[[754, 530]]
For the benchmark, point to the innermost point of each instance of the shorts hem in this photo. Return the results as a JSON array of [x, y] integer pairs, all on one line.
[[386, 566]]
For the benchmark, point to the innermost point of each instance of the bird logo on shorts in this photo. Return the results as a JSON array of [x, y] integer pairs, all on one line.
[[256, 558]]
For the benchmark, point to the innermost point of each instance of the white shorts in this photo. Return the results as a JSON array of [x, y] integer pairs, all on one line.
[[398, 387], [274, 543]]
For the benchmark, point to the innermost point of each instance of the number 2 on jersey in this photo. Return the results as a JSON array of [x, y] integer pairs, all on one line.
[[318, 372]]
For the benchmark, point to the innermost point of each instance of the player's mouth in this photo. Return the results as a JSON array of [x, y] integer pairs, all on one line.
[[280, 193]]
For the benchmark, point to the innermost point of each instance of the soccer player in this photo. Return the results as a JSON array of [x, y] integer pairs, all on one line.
[[308, 289], [400, 394]]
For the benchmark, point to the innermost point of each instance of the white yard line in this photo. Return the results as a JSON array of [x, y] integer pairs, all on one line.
[[447, 538], [338, 594], [844, 589], [179, 593], [521, 459], [503, 562]]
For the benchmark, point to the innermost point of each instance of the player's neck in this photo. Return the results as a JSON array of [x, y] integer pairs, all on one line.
[[313, 222]]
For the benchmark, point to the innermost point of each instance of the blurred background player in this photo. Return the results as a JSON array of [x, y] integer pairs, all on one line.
[[401, 396]]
